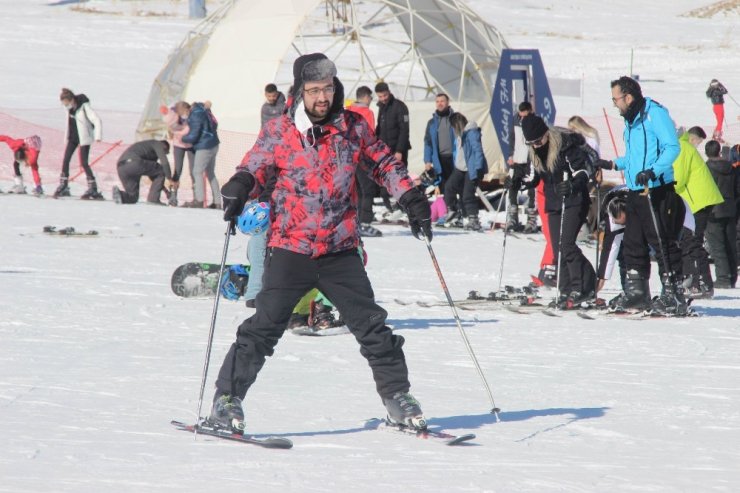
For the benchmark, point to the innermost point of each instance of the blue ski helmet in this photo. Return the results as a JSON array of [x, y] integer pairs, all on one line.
[[254, 219]]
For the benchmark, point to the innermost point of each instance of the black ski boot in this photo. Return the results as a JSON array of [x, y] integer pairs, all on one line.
[[368, 231], [297, 320], [227, 413], [473, 224], [671, 301], [636, 295], [512, 219], [322, 317], [92, 191], [63, 188], [575, 300], [531, 226], [404, 410]]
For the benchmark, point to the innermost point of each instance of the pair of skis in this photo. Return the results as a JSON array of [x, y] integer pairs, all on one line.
[[283, 443]]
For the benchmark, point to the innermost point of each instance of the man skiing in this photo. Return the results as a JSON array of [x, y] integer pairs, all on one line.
[[313, 151], [655, 219]]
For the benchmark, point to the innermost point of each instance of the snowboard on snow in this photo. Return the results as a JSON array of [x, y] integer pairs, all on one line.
[[197, 279]]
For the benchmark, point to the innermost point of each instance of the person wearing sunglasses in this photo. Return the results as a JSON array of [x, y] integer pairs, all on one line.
[[313, 151], [656, 211], [558, 160]]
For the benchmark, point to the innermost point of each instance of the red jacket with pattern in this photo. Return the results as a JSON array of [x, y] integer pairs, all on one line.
[[314, 203]]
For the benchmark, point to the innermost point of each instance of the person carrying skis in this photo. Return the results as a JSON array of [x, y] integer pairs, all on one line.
[[314, 151], [656, 219], [25, 151], [559, 162]]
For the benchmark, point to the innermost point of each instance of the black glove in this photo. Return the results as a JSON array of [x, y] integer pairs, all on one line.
[[234, 194], [417, 208], [644, 177], [564, 188], [508, 183], [603, 164]]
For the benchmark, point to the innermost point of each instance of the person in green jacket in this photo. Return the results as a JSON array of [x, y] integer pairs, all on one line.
[[694, 183]]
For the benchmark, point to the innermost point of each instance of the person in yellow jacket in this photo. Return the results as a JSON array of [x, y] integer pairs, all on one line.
[[694, 183]]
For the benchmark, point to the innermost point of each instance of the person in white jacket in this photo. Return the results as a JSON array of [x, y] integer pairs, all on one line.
[[83, 127]]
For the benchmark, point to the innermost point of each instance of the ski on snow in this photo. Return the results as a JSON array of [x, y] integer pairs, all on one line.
[[433, 435], [203, 429]]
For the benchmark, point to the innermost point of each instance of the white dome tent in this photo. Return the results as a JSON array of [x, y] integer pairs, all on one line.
[[419, 47]]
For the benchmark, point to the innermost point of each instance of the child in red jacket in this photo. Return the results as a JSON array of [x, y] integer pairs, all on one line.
[[25, 151]]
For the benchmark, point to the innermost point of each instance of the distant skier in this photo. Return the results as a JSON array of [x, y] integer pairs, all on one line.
[[716, 93], [314, 151], [25, 151]]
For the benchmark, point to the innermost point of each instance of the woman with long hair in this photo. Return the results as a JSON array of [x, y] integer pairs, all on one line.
[[558, 161]]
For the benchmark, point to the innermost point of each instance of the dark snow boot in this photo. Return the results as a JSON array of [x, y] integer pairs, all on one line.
[[636, 295], [531, 226], [92, 191], [322, 316], [671, 301], [512, 219], [473, 224], [404, 410], [368, 231], [63, 188], [574, 300], [227, 413]]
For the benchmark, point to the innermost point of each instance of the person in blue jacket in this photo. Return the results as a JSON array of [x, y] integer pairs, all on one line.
[[439, 149], [470, 166], [651, 147], [203, 136]]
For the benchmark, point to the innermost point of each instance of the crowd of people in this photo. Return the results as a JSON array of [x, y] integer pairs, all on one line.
[[307, 215]]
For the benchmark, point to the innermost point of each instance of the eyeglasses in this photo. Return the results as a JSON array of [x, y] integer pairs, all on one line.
[[614, 100], [328, 91], [536, 143]]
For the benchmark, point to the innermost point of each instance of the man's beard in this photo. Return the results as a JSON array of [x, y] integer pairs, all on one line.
[[318, 113]]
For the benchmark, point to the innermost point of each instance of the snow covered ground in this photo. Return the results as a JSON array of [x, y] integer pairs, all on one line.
[[97, 355]]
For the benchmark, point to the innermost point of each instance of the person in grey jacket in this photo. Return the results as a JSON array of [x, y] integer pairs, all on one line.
[[146, 158], [274, 103]]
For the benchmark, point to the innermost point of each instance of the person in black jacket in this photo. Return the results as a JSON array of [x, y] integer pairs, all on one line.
[[393, 129], [720, 232], [716, 94], [145, 158], [558, 160]]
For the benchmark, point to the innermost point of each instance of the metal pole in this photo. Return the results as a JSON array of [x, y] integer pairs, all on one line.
[[495, 410], [503, 248], [560, 253], [229, 231], [598, 236]]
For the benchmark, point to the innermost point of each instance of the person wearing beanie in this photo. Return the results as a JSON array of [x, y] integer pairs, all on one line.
[[558, 160], [312, 153], [651, 148]]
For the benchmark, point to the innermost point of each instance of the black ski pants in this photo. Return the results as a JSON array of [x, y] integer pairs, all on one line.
[[131, 171], [367, 190], [84, 157], [695, 257], [721, 237], [576, 272], [640, 233], [460, 184], [342, 278]]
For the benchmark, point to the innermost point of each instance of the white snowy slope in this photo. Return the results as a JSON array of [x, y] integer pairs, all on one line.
[[97, 355]]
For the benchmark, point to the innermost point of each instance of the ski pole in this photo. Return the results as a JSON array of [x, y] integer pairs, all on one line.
[[95, 161], [657, 231], [503, 248], [598, 233], [230, 230], [464, 336], [611, 135], [560, 253]]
